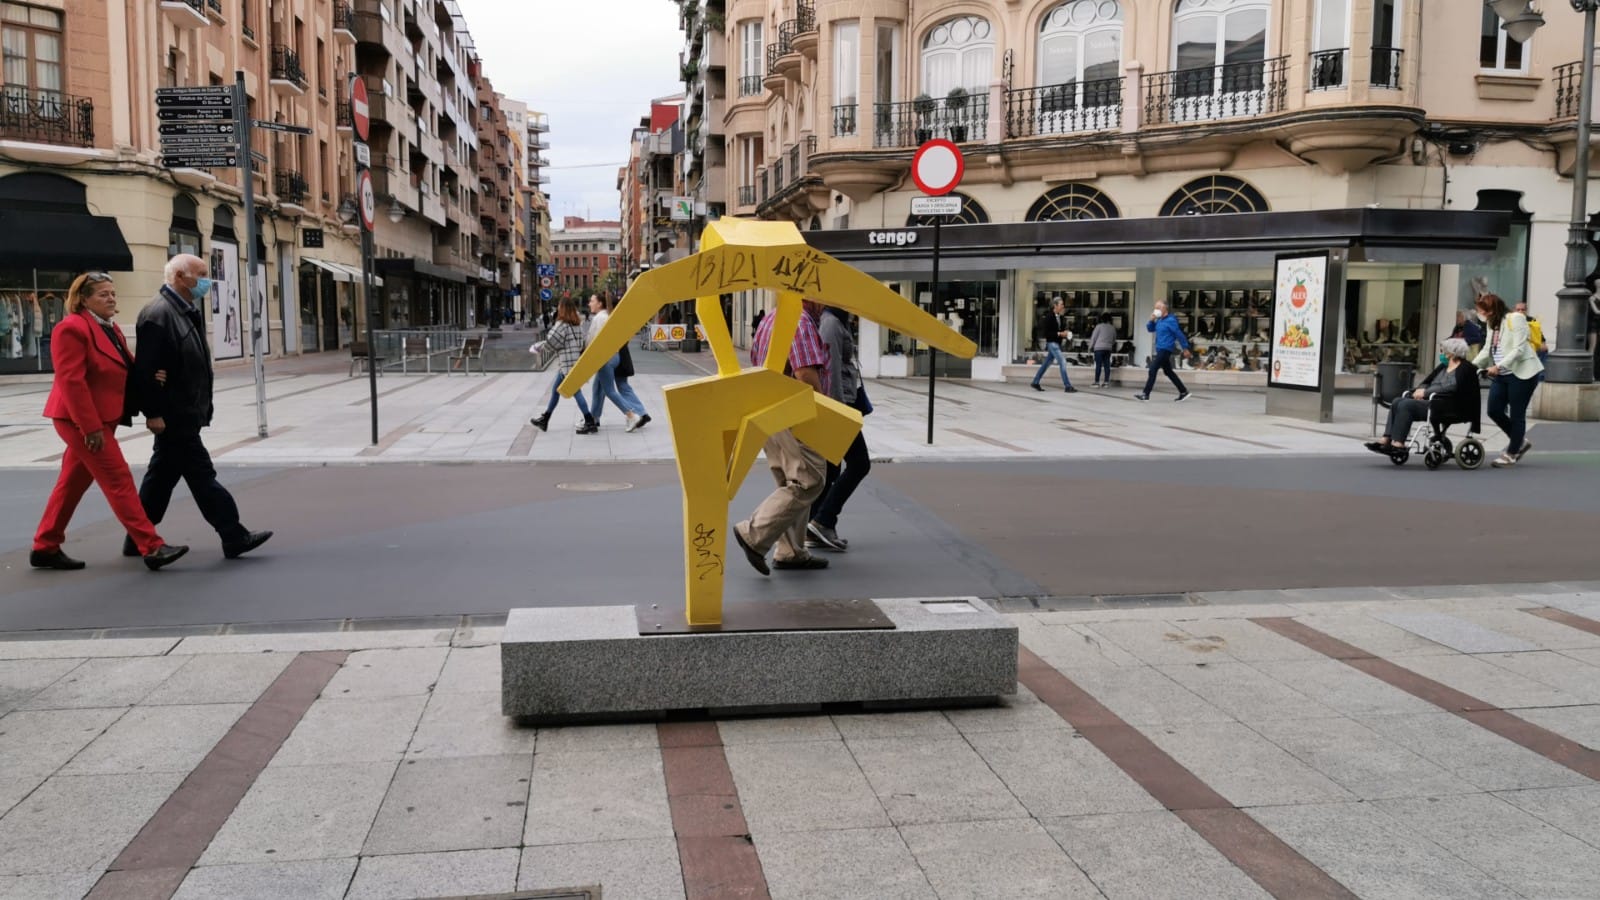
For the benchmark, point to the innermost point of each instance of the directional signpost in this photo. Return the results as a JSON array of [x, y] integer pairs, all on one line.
[[936, 168], [367, 209]]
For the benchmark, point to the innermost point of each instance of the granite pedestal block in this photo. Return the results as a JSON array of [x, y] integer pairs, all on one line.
[[581, 663]]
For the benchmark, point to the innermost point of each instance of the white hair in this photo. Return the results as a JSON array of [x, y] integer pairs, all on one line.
[[178, 265]]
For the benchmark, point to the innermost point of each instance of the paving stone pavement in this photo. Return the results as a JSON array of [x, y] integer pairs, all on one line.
[[1360, 769]]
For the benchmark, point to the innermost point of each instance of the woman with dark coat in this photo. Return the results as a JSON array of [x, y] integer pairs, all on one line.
[[1450, 391], [88, 399]]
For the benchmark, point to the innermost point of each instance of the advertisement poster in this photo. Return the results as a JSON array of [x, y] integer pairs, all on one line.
[[258, 310], [1299, 304], [227, 331]]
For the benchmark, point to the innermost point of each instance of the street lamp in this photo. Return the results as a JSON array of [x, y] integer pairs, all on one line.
[[1570, 362]]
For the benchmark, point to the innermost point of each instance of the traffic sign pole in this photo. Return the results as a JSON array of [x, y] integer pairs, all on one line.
[[361, 125], [936, 168], [241, 130]]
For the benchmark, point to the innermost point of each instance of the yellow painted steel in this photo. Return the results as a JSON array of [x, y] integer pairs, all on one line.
[[719, 423]]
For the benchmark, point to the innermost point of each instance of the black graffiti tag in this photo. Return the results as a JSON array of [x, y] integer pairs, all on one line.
[[708, 562]]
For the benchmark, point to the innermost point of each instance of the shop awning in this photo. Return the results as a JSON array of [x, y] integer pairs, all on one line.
[[419, 267], [62, 241], [340, 271]]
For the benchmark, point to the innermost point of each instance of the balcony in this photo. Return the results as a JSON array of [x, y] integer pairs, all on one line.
[[915, 122], [844, 120], [184, 14], [1568, 80], [1071, 108], [749, 85], [342, 118], [1327, 69], [1386, 67], [1230, 91], [45, 117], [805, 38], [214, 7], [788, 61], [344, 28], [287, 75], [291, 188]]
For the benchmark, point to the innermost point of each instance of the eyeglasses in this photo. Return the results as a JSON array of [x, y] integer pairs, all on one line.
[[95, 277]]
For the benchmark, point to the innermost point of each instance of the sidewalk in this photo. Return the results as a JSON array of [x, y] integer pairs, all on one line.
[[317, 414], [1374, 743]]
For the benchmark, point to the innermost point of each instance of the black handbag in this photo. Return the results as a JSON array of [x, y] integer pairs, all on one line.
[[625, 364], [862, 404]]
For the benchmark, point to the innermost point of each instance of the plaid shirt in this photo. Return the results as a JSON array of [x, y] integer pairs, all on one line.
[[806, 350], [566, 340]]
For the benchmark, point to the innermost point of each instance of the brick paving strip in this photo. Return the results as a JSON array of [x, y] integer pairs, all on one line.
[[714, 846], [1561, 616], [1483, 714], [156, 861], [1277, 867]]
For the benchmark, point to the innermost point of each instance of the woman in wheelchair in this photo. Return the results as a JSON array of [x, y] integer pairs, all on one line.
[[1449, 394]]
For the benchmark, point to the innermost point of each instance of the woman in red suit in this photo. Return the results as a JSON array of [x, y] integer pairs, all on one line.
[[88, 399]]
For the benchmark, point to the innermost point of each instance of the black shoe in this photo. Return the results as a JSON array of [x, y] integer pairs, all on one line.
[[53, 559], [1070, 389], [256, 539], [644, 420], [1376, 447], [1181, 397], [165, 555], [1037, 387], [1522, 451], [808, 562], [128, 549], [1141, 396], [758, 560], [541, 422], [589, 426]]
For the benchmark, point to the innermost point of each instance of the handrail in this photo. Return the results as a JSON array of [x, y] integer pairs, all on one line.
[[48, 117], [1064, 108], [911, 123], [1216, 92]]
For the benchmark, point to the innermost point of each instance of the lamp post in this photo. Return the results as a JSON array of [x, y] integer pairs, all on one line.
[[1570, 362]]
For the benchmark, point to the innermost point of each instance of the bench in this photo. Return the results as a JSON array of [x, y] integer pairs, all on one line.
[[360, 355], [462, 357], [416, 348]]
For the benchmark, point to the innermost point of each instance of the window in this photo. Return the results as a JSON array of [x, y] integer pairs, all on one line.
[[1498, 51], [1213, 195], [30, 50], [1330, 44], [1386, 43], [752, 65], [846, 73], [958, 53], [886, 64], [1072, 201], [1219, 46], [1080, 52]]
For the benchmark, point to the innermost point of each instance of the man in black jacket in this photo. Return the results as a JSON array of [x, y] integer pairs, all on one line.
[[1053, 328], [172, 339]]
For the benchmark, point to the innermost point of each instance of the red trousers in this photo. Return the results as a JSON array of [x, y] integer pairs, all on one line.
[[79, 469]]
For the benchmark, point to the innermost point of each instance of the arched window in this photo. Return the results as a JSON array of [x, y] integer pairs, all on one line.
[[1214, 194], [183, 234], [958, 53], [1073, 201], [971, 214], [1219, 46], [1080, 52]]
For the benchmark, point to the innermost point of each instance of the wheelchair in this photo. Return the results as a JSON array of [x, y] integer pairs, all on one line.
[[1429, 439]]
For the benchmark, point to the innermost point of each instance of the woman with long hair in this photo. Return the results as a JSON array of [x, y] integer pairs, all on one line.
[[566, 338], [88, 399], [1508, 358], [612, 380]]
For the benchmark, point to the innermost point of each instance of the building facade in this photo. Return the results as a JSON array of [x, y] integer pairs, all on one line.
[[588, 257], [1120, 151]]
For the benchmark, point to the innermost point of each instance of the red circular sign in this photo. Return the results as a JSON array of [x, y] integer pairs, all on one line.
[[360, 118], [367, 201], [937, 167]]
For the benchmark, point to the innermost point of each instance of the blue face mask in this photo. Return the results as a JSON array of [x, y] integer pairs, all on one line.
[[202, 287]]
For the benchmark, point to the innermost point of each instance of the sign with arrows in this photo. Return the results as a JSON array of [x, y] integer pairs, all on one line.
[[199, 127]]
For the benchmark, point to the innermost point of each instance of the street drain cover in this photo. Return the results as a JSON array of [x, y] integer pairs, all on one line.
[[594, 486]]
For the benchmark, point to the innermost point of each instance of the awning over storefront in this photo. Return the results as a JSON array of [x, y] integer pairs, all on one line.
[[62, 241], [1245, 239], [418, 267], [340, 271]]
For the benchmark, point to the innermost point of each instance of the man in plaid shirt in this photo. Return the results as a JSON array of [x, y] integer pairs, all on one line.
[[800, 471]]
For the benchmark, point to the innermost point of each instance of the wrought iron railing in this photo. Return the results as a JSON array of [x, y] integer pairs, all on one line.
[[344, 18], [290, 186], [778, 183], [844, 120], [1064, 108], [286, 65], [749, 85], [342, 115], [1216, 92], [46, 117], [764, 184], [1327, 69], [794, 163], [1569, 79], [248, 32], [747, 195], [1386, 67], [805, 16], [215, 6], [911, 123], [786, 32], [198, 6]]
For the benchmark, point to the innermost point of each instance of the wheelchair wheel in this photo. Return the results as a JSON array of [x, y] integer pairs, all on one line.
[[1399, 457], [1434, 456], [1469, 453]]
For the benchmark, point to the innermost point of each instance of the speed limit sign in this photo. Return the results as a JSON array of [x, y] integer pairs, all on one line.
[[546, 281], [368, 201]]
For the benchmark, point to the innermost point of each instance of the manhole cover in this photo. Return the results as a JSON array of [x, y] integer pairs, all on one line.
[[593, 486]]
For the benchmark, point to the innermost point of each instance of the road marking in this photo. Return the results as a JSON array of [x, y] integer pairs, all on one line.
[[1260, 854], [1481, 713], [715, 852], [389, 440], [156, 861], [989, 440], [523, 445], [1108, 437]]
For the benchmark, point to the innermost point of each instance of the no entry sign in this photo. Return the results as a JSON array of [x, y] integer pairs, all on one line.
[[937, 167], [360, 118]]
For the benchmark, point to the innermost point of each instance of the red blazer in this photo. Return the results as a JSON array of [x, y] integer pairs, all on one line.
[[91, 382]]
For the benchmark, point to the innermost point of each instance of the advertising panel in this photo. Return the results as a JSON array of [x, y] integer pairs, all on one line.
[[227, 325], [1299, 306]]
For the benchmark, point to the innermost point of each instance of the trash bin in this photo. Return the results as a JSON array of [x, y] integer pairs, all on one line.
[[689, 345], [1393, 379]]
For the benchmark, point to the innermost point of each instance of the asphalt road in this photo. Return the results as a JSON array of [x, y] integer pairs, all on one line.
[[395, 541]]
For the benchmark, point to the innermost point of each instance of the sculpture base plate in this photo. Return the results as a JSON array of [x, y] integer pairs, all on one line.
[[766, 615]]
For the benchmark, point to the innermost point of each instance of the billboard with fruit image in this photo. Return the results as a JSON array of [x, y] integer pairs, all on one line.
[[1299, 303]]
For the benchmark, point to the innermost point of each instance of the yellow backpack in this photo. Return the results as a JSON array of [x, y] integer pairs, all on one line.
[[1535, 335]]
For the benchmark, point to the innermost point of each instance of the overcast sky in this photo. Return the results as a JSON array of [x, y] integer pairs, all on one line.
[[592, 66]]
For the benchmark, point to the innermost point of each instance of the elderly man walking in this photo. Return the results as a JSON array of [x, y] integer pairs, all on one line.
[[172, 339]]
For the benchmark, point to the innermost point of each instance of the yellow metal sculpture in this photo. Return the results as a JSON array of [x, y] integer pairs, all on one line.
[[720, 423]]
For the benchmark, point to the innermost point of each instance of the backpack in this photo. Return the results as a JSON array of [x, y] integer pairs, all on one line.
[[1535, 335]]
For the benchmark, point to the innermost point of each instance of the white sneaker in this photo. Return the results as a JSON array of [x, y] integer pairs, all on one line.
[[633, 422]]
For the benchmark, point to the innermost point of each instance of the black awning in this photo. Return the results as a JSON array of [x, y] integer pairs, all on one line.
[[60, 241], [418, 267]]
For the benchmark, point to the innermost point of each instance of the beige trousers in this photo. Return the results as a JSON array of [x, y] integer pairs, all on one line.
[[781, 518]]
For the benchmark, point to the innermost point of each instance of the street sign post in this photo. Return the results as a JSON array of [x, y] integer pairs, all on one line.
[[363, 154], [937, 168], [280, 127], [366, 212], [258, 316]]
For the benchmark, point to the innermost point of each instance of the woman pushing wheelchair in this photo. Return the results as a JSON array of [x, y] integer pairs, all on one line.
[[1449, 394]]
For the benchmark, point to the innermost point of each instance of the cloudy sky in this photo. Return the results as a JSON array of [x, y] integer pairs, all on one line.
[[592, 66]]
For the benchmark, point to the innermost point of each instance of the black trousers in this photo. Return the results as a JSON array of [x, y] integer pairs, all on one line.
[[841, 483], [180, 455], [1162, 362]]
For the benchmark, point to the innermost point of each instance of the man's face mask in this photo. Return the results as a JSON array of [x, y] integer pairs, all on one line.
[[202, 287]]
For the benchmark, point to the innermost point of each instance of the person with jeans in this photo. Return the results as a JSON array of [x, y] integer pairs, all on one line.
[[1508, 359], [1169, 337], [178, 404], [1103, 340], [605, 381], [566, 338], [845, 387], [1053, 328]]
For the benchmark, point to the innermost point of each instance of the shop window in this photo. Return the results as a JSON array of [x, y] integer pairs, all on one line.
[[972, 213], [971, 308], [1073, 201], [1214, 195], [31, 303], [1497, 51], [1229, 323], [1084, 308]]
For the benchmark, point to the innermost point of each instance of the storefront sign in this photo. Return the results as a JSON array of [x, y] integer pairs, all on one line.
[[897, 238], [1299, 304], [311, 237]]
